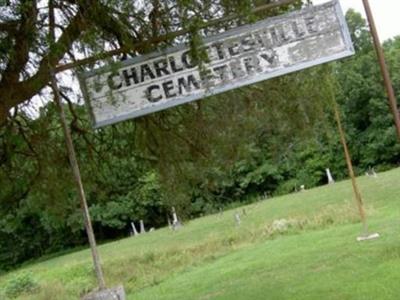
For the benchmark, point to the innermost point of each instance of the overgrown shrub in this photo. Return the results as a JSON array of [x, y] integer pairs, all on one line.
[[20, 284], [332, 214]]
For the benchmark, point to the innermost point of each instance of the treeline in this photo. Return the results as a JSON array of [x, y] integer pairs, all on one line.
[[269, 138]]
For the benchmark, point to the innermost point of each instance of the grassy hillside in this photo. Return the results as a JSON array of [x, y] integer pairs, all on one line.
[[315, 256]]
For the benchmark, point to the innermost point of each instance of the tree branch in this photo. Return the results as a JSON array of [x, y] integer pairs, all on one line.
[[21, 91], [10, 97], [23, 40], [9, 26], [162, 38]]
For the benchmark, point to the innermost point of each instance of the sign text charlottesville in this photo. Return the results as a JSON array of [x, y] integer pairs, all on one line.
[[238, 57]]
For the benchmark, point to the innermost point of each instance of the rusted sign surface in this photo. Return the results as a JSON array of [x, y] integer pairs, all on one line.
[[242, 56]]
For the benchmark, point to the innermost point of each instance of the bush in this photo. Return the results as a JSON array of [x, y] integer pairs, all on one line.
[[20, 284]]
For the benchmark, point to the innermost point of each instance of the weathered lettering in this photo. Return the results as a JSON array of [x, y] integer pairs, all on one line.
[[242, 56]]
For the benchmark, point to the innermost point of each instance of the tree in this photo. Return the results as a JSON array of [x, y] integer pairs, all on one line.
[[362, 97], [93, 29], [217, 150], [359, 31]]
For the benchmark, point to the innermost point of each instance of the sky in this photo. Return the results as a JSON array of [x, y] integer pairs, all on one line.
[[386, 14]]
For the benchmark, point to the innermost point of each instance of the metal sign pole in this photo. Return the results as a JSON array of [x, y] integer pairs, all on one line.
[[366, 235], [77, 176], [384, 69], [357, 194]]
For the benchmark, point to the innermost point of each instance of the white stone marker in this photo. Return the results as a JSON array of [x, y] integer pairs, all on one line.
[[135, 233], [372, 236], [237, 219], [329, 175], [371, 173], [142, 230], [175, 222]]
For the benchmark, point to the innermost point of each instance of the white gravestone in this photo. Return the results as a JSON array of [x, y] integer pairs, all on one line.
[[175, 221], [135, 233], [329, 175], [237, 219], [142, 230], [371, 173]]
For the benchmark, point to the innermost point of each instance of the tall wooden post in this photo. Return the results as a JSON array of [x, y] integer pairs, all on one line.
[[78, 181], [383, 66]]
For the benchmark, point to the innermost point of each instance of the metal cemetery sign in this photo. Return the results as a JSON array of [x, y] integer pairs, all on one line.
[[242, 56]]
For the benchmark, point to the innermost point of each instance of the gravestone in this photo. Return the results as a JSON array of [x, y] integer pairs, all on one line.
[[221, 212], [142, 230], [117, 293], [371, 173], [135, 233], [329, 175], [175, 221], [169, 223], [237, 219]]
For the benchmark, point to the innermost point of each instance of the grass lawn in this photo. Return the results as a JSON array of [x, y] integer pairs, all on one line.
[[315, 256]]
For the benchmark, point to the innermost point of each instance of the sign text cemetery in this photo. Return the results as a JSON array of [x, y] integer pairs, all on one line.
[[238, 57]]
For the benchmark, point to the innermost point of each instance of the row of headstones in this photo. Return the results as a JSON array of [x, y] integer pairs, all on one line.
[[237, 216], [142, 230], [370, 173], [174, 225]]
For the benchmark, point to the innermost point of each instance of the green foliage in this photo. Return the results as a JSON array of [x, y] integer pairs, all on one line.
[[21, 283], [268, 138], [368, 120], [210, 252], [359, 31]]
